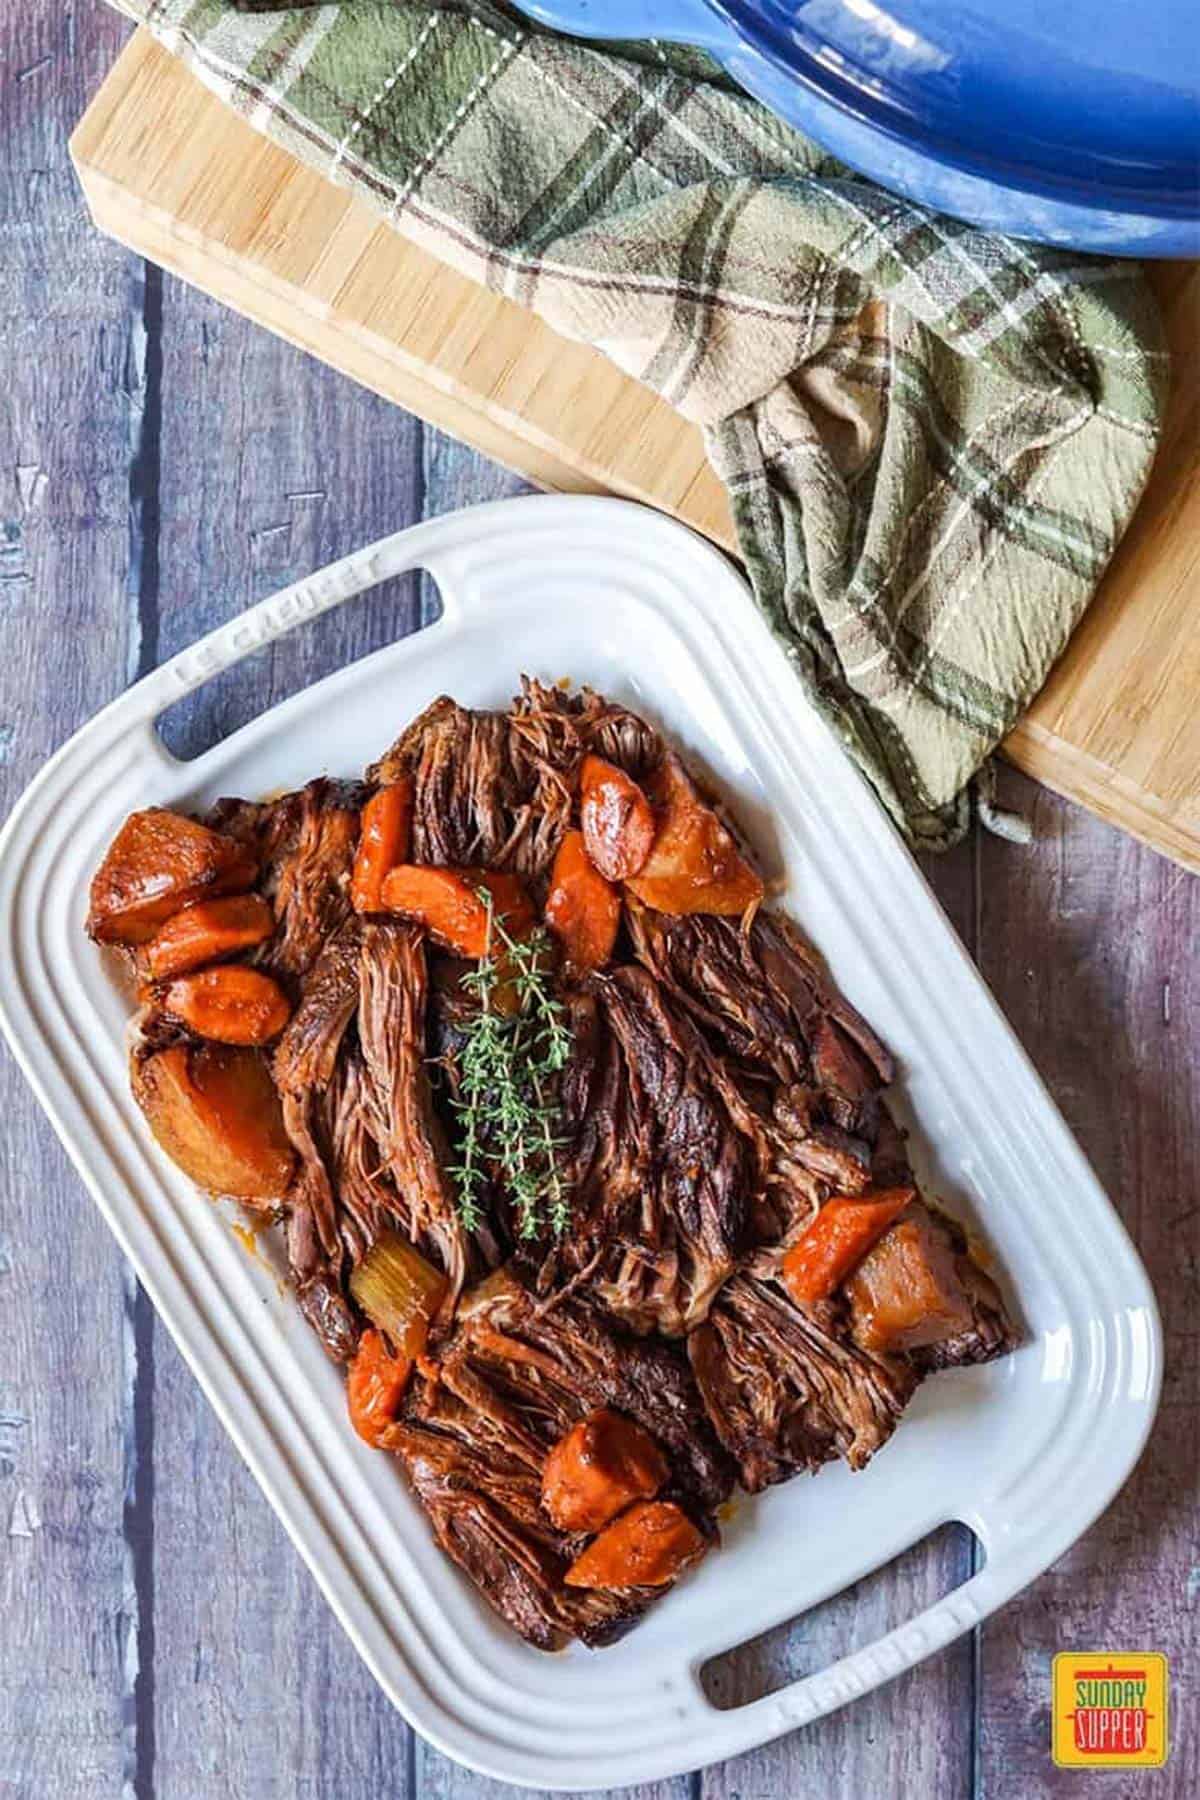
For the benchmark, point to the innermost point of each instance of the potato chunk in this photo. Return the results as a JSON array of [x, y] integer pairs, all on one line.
[[695, 866], [906, 1292], [158, 863], [215, 1111]]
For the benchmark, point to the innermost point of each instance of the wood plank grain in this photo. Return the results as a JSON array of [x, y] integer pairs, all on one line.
[[271, 466], [71, 380], [1089, 941]]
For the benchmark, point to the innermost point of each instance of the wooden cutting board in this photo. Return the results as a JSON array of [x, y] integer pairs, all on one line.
[[173, 173]]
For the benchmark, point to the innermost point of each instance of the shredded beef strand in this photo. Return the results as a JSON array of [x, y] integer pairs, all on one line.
[[785, 1391], [305, 1061], [664, 1154], [396, 1090]]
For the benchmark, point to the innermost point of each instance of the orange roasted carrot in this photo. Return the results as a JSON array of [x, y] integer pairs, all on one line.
[[597, 1468], [695, 865], [617, 819], [583, 910], [384, 841], [158, 862], [375, 1385], [230, 1004], [448, 904], [838, 1239], [206, 932], [649, 1545]]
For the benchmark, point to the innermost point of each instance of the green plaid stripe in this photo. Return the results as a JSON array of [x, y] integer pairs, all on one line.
[[932, 438]]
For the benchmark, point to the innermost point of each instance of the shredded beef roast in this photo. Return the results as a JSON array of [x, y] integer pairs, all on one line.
[[789, 1387], [471, 805], [322, 1231], [550, 734], [496, 790], [786, 1390], [305, 842], [798, 1051], [719, 1090], [351, 1069], [764, 997], [664, 1155], [305, 1061], [399, 1099], [474, 1436]]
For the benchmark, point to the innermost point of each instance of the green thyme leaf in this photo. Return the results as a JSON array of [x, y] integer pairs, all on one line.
[[508, 1105]]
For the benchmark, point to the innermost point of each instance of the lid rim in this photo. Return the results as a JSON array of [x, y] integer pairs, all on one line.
[[793, 64]]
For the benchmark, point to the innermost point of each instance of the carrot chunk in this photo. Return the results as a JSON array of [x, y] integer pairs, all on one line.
[[695, 866], [158, 863], [216, 1112], [583, 910], [448, 904], [384, 841], [597, 1468], [617, 819], [837, 1240], [230, 1004], [648, 1546], [375, 1384], [206, 932]]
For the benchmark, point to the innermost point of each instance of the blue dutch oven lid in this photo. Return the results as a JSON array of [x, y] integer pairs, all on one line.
[[1072, 121]]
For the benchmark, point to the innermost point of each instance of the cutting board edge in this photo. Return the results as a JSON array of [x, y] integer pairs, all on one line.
[[1102, 790]]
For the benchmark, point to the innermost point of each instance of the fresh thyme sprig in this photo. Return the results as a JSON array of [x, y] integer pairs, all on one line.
[[508, 1104]]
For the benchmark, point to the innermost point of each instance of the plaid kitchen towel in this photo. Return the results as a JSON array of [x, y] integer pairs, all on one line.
[[932, 438]]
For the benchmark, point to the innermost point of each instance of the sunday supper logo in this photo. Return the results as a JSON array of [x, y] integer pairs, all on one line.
[[1109, 1710]]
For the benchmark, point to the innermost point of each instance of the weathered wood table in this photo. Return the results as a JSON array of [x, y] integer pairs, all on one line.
[[162, 463]]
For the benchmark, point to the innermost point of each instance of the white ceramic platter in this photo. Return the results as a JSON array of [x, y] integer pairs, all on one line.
[[1027, 1451]]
